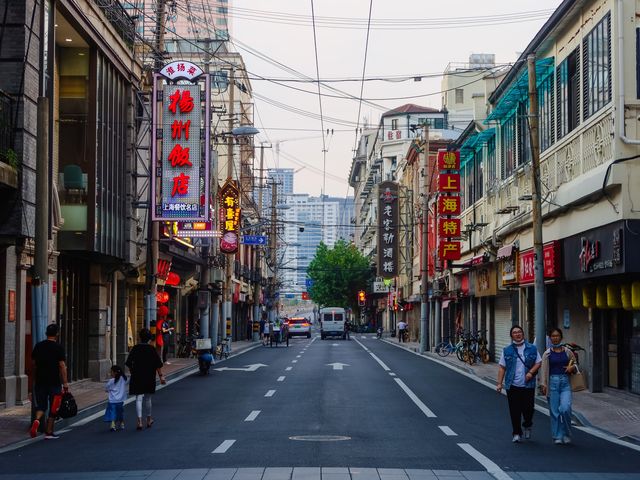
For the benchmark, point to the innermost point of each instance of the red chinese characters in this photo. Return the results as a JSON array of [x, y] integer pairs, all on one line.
[[182, 101], [179, 157]]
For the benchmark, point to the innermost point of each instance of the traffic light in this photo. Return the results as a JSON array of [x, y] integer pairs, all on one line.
[[362, 298]]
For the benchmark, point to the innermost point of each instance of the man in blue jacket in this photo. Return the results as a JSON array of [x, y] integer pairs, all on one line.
[[517, 369]]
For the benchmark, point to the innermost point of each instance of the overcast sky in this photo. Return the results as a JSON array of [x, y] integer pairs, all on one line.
[[441, 32]]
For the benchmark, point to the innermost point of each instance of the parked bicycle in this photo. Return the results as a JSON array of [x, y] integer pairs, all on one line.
[[223, 349]]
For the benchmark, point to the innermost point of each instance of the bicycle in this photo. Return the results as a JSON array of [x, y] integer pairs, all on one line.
[[223, 349], [445, 348]]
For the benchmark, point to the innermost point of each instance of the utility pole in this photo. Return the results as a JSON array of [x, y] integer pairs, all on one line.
[[153, 237], [272, 251], [424, 253], [227, 292], [536, 208], [256, 289]]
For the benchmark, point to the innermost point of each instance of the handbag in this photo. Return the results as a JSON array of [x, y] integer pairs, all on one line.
[[577, 379], [68, 407]]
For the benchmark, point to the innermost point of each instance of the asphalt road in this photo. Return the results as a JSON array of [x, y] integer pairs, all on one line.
[[332, 403]]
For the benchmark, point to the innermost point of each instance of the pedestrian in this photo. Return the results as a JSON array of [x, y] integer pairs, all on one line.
[[517, 368], [144, 362], [116, 387], [402, 330], [161, 327], [347, 328], [50, 373], [558, 362], [167, 337], [262, 323], [268, 331]]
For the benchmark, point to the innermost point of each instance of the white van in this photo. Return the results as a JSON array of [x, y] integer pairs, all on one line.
[[332, 322]]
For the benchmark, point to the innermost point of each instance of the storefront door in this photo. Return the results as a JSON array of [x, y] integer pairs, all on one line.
[[623, 350]]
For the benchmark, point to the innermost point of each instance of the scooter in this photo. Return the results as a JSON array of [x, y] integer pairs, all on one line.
[[205, 360]]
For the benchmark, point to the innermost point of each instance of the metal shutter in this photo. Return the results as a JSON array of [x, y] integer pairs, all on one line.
[[502, 324]]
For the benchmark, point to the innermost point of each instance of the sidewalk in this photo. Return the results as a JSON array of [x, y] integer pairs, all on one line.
[[91, 397], [615, 413]]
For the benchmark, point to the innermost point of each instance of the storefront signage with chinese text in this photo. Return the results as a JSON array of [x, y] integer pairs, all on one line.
[[448, 160], [229, 217], [551, 262], [388, 216]]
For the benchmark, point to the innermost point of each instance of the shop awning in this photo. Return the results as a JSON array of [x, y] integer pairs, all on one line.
[[505, 251]]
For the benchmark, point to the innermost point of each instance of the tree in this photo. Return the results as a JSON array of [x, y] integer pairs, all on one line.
[[338, 274]]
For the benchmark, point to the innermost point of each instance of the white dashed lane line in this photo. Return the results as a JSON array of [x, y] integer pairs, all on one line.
[[270, 393], [447, 431], [288, 369], [224, 446], [281, 379], [252, 416], [294, 361]]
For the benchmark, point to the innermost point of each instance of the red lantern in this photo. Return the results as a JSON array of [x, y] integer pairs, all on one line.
[[173, 279], [163, 311], [162, 297]]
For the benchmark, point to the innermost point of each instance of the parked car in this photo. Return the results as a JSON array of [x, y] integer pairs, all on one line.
[[299, 326]]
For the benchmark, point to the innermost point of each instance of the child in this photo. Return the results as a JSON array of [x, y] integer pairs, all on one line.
[[116, 387]]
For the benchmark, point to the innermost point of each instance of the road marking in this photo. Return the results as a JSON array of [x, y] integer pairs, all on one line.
[[288, 369], [491, 467], [281, 379], [298, 356], [253, 415], [415, 399], [447, 431], [224, 446], [382, 364], [248, 368], [338, 365], [270, 393], [392, 374], [294, 361]]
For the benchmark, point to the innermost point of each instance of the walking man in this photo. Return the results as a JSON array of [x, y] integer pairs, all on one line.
[[50, 373], [402, 330], [517, 369]]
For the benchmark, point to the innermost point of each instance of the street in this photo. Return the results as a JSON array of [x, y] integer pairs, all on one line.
[[362, 403]]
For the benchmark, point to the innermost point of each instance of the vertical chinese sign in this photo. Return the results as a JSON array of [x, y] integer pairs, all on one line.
[[449, 205], [180, 190], [229, 217], [388, 219]]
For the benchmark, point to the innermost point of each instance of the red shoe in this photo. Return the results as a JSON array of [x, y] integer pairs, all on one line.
[[33, 431]]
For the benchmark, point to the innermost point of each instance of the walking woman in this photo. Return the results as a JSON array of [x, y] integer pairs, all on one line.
[[558, 362], [143, 363], [517, 369]]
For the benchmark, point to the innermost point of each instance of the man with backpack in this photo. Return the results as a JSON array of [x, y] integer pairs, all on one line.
[[50, 373]]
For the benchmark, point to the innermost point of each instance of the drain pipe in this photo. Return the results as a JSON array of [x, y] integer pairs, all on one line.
[[620, 62]]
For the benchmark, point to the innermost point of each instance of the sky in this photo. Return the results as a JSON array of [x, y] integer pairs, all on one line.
[[407, 39]]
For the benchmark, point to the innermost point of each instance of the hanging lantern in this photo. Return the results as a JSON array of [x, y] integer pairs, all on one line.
[[163, 311], [173, 279], [613, 296], [588, 296], [162, 297], [601, 296], [635, 295], [625, 294]]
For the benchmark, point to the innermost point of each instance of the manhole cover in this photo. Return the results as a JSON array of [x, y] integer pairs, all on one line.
[[320, 438]]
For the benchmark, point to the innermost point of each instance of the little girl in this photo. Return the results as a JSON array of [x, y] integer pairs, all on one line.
[[116, 387]]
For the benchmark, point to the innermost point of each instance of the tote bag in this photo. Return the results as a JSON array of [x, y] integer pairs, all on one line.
[[578, 382]]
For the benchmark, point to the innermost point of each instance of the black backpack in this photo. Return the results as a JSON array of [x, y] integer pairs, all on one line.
[[68, 407]]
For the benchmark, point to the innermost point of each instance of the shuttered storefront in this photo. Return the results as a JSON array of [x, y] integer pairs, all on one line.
[[502, 324]]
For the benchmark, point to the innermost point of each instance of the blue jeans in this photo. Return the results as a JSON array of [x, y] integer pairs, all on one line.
[[560, 406]]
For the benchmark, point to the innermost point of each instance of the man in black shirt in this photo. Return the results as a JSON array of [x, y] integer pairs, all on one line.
[[50, 373]]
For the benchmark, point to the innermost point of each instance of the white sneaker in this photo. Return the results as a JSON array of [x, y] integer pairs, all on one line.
[[516, 439], [557, 441], [566, 440], [527, 433]]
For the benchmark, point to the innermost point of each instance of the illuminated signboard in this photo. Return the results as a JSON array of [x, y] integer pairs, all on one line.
[[449, 182], [196, 230], [229, 217], [180, 163], [449, 227], [388, 219], [449, 250], [448, 160], [449, 205]]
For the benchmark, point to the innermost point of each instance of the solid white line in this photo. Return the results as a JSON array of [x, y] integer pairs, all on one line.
[[252, 416], [447, 431], [224, 446], [281, 379], [415, 399], [270, 393], [288, 369], [491, 467]]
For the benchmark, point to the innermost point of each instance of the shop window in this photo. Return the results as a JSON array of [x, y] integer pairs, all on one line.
[[567, 98], [596, 67]]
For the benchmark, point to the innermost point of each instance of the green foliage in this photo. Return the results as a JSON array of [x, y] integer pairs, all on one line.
[[10, 157], [338, 274]]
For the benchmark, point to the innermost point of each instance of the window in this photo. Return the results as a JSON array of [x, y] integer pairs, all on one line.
[[394, 124], [545, 112], [491, 163], [523, 135], [568, 115], [459, 95], [596, 68], [508, 141]]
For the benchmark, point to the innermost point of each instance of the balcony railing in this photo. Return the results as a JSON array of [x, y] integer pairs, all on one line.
[[119, 18]]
